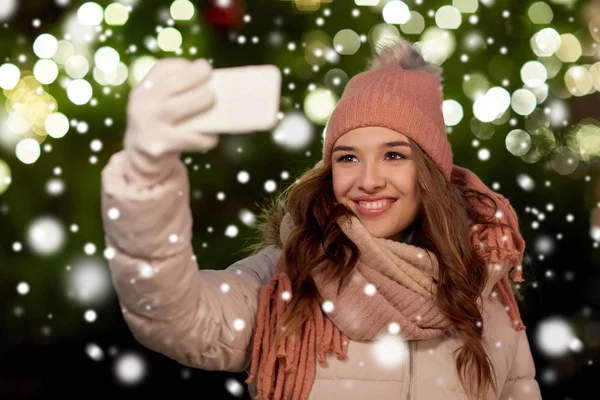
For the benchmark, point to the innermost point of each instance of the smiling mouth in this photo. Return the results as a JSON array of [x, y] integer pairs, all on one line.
[[374, 207]]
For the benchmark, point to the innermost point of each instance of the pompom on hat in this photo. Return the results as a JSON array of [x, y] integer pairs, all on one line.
[[401, 91]]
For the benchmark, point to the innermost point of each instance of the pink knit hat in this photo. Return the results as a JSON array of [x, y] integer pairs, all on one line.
[[394, 96], [403, 92]]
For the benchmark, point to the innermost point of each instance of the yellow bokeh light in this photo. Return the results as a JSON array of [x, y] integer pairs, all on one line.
[[518, 142], [139, 68], [64, 51], [415, 24], [116, 14], [523, 101], [436, 45], [77, 66], [466, 6], [182, 10], [540, 13], [587, 141], [570, 48], [448, 17], [545, 42], [594, 71], [552, 65], [578, 81], [56, 125], [563, 2], [475, 85], [533, 74], [5, 176], [169, 39], [346, 42]]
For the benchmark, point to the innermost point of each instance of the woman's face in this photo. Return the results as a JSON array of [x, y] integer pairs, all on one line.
[[375, 176]]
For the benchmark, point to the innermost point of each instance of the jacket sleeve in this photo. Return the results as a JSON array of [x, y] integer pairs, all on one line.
[[521, 383], [199, 318]]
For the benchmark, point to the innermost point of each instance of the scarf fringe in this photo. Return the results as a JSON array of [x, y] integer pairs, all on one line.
[[291, 363], [497, 245]]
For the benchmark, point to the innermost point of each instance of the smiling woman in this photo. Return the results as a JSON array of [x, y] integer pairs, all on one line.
[[384, 241], [387, 208]]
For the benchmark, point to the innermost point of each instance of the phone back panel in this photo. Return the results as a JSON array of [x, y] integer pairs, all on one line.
[[247, 100]]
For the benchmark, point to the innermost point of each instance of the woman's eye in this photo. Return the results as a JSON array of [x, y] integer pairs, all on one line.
[[344, 158], [397, 156]]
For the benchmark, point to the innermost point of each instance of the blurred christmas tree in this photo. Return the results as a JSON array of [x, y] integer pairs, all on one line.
[[520, 80]]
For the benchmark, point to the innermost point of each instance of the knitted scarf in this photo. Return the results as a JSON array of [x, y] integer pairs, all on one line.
[[392, 282]]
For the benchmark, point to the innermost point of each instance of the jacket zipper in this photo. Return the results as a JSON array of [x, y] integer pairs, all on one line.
[[410, 369]]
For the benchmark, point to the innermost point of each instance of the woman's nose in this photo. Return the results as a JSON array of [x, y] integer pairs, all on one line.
[[371, 178]]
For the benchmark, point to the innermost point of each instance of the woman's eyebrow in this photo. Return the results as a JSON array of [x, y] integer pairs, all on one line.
[[383, 145]]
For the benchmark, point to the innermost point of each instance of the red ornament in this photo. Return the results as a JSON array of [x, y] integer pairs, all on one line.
[[226, 15]]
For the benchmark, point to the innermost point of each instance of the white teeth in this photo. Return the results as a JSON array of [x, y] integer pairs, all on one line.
[[373, 205]]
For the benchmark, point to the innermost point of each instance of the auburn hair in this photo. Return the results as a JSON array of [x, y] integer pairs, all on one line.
[[443, 227]]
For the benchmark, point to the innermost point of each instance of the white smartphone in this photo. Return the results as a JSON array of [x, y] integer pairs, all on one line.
[[247, 100]]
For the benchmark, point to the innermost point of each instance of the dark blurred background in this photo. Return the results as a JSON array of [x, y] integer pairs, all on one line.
[[521, 82]]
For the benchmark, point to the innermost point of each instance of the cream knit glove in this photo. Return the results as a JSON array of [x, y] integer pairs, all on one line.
[[172, 91]]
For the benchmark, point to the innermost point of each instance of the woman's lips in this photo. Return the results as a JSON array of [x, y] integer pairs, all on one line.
[[373, 211]]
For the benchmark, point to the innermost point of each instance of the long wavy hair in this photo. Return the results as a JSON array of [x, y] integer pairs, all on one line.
[[443, 227]]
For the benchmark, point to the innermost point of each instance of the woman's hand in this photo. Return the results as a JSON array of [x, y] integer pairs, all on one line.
[[173, 90]]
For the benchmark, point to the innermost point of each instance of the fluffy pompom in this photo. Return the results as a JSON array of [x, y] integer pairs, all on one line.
[[402, 53]]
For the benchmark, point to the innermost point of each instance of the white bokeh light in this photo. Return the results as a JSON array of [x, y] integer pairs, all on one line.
[[94, 352], [525, 182], [90, 316], [395, 12], [231, 231], [243, 177], [107, 59], [46, 235], [79, 91], [234, 387], [23, 288], [89, 281], [554, 336], [523, 101], [294, 131], [7, 9], [130, 369], [90, 14], [9, 76], [45, 71], [452, 112], [45, 46], [28, 150], [56, 125]]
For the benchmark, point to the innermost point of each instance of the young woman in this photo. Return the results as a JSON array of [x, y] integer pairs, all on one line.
[[382, 272]]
